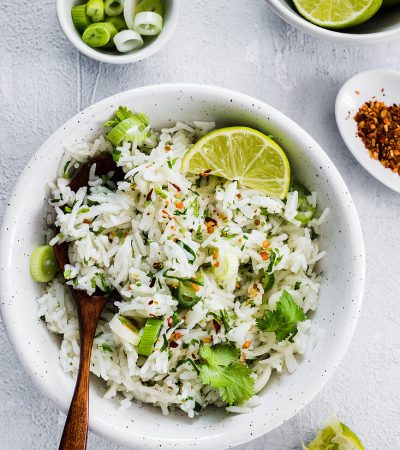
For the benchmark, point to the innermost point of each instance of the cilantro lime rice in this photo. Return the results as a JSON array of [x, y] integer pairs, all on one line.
[[219, 278]]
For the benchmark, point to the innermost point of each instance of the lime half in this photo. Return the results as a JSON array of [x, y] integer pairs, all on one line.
[[336, 436], [242, 154], [337, 13]]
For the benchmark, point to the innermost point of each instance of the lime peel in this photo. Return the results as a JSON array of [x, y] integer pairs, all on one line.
[[337, 14]]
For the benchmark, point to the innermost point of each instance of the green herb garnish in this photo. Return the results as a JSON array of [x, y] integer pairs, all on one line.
[[283, 320], [223, 371]]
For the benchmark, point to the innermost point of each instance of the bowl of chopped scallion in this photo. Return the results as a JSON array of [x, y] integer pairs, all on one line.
[[118, 31]]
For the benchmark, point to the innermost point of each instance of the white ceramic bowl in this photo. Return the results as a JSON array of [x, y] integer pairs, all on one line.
[[144, 427], [382, 27], [382, 85], [151, 45]]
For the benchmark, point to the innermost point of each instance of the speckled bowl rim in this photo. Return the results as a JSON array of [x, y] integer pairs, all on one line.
[[249, 429], [70, 32], [304, 25]]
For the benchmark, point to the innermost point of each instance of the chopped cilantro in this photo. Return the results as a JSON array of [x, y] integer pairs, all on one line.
[[224, 372], [283, 320], [106, 348]]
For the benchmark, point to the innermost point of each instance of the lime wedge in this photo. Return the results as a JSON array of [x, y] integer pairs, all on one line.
[[336, 436], [337, 13], [242, 154]]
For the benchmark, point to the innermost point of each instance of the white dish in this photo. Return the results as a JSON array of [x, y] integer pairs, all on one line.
[[151, 46], [382, 85], [144, 427], [381, 28]]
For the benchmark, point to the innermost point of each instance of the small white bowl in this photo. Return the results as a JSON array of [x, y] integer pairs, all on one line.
[[380, 28], [382, 85], [143, 426], [151, 45]]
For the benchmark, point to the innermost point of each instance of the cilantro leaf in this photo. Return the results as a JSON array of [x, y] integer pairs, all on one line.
[[221, 355], [283, 320], [224, 372]]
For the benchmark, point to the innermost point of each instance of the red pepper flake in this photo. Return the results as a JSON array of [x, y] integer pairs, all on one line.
[[176, 187], [169, 321], [173, 344], [166, 213], [378, 126], [217, 325], [264, 256], [179, 204], [205, 173], [148, 196], [167, 148]]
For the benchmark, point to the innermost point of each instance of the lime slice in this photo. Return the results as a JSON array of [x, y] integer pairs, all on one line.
[[337, 13], [336, 436], [242, 154]]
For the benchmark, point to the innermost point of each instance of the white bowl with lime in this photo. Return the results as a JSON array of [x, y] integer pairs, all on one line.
[[277, 139], [118, 31], [354, 21]]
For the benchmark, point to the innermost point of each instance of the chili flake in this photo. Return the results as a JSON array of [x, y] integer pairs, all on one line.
[[379, 128]]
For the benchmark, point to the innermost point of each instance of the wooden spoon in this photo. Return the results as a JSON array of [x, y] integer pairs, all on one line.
[[89, 308]]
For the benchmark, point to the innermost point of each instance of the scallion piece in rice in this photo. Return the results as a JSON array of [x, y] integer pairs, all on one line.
[[149, 336], [43, 264]]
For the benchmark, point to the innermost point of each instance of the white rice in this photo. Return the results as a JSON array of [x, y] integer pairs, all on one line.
[[121, 241]]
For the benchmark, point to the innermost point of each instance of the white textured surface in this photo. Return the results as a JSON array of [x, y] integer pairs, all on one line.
[[239, 44]]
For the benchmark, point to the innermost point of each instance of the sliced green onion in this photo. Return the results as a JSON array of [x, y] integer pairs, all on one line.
[[189, 250], [149, 336], [98, 34], [199, 282], [80, 18], [185, 293], [150, 5], [125, 329], [148, 23], [114, 32], [121, 131], [268, 281], [306, 210], [43, 264], [118, 22], [127, 41], [129, 13], [228, 266], [189, 361], [113, 7], [95, 9]]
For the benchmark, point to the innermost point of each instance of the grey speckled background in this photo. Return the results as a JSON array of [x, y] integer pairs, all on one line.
[[242, 45]]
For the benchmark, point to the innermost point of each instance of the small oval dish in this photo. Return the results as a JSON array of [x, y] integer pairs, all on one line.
[[152, 44], [383, 27], [381, 85]]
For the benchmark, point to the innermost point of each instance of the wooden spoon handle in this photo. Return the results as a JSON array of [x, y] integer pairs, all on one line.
[[75, 432]]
